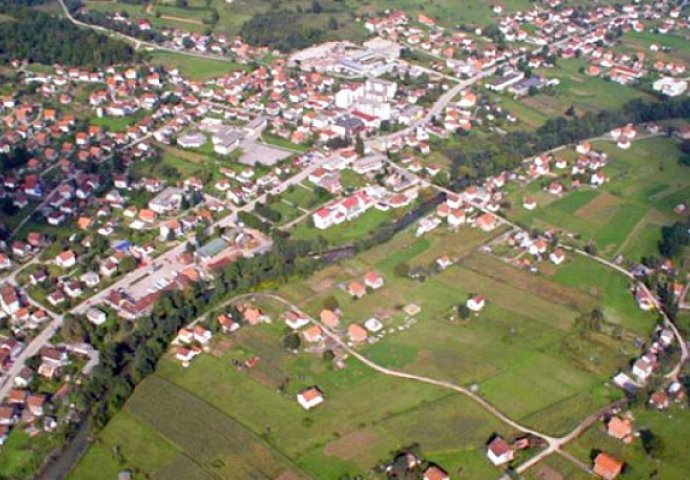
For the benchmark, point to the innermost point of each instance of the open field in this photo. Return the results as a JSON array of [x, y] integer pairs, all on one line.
[[625, 215], [521, 352], [193, 67]]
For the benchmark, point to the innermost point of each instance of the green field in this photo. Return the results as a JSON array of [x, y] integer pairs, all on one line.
[[193, 67], [521, 352]]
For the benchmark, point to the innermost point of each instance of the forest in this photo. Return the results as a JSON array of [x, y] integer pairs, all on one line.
[[280, 30], [41, 38]]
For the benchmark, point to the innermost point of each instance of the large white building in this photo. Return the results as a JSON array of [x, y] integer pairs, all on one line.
[[671, 87]]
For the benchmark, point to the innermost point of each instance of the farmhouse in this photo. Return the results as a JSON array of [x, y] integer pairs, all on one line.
[[356, 289], [499, 452], [476, 303], [310, 398], [435, 473], [607, 467], [620, 428], [66, 259], [330, 318], [356, 333], [295, 320], [557, 256], [313, 334], [373, 280]]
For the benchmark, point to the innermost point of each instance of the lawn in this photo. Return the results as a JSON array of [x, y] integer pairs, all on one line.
[[117, 124], [194, 68]]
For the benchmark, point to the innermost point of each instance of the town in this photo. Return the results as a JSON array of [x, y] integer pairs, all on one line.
[[325, 255]]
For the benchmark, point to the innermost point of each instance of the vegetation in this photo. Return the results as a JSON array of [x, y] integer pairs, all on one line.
[[280, 30], [38, 37]]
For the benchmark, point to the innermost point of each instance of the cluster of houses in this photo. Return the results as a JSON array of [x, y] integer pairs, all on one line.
[[36, 408], [644, 367]]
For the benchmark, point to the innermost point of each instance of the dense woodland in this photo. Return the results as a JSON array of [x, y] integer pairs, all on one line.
[[38, 37], [280, 30]]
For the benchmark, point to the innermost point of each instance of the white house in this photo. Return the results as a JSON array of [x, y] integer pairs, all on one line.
[[557, 256], [310, 397], [499, 452], [66, 259], [476, 303]]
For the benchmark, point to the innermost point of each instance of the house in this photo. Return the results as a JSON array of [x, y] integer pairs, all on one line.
[[644, 299], [486, 222], [607, 467], [476, 303], [310, 398], [373, 280], [23, 378], [202, 334], [499, 452], [8, 415], [356, 333], [538, 247], [9, 300], [659, 400], [356, 289], [643, 368], [253, 316], [313, 334], [227, 324], [185, 354], [529, 203], [620, 428], [435, 473], [96, 316], [329, 318], [295, 320], [66, 259], [35, 403], [557, 256]]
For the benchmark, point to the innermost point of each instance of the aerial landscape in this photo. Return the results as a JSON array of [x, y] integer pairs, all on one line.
[[344, 239]]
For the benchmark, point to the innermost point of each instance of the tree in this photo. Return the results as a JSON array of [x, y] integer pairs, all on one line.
[[653, 444], [330, 303], [464, 312], [72, 329], [359, 146], [316, 7], [292, 341]]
